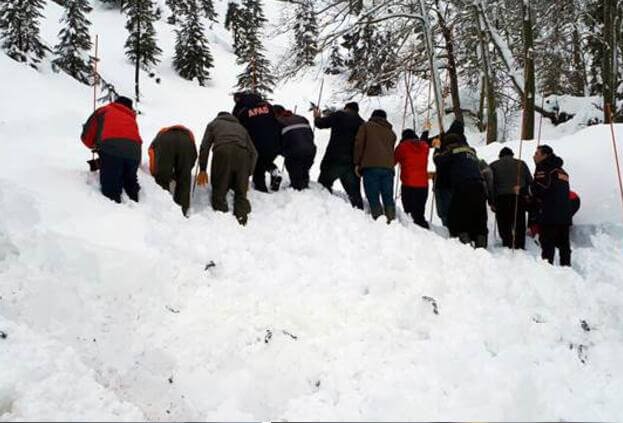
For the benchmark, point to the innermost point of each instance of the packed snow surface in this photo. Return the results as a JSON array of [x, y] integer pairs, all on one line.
[[311, 311]]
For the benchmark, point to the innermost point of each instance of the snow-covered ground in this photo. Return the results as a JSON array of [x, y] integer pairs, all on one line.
[[312, 311]]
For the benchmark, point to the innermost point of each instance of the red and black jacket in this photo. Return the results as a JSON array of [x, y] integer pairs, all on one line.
[[412, 155], [112, 129]]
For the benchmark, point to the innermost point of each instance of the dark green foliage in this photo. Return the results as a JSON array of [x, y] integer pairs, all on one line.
[[193, 59], [141, 43], [19, 30], [71, 53]]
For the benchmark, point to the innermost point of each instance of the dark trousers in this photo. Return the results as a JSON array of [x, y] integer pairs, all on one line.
[[118, 174], [231, 168], [298, 169], [329, 172], [552, 237], [175, 162], [378, 183], [264, 164], [443, 198], [468, 211], [414, 203], [505, 215]]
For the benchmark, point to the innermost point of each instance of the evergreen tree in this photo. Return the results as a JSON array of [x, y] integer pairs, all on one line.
[[207, 7], [141, 47], [181, 7], [257, 75], [336, 61], [192, 53], [19, 30], [234, 22], [75, 42], [305, 34]]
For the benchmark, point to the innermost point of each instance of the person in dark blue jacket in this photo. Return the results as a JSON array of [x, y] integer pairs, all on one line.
[[551, 205], [458, 168], [297, 146]]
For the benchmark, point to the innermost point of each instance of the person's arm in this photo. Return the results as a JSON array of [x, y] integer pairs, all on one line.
[[325, 122], [92, 128], [204, 151], [360, 142], [252, 153]]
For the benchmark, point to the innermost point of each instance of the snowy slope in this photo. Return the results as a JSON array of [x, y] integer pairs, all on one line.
[[311, 311]]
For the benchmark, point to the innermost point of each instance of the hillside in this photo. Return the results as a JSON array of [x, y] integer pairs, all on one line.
[[115, 312]]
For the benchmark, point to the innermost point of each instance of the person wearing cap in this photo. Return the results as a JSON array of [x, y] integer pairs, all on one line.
[[511, 183], [374, 160], [337, 162], [458, 167], [297, 146], [412, 156], [112, 132], [233, 162], [172, 156]]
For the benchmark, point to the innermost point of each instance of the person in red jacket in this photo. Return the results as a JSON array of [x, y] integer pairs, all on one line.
[[112, 132], [412, 156]]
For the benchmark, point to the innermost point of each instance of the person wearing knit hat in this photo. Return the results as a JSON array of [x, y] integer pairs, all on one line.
[[412, 157], [508, 195]]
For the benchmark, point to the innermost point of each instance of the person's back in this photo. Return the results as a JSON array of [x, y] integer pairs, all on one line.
[[172, 156], [234, 159], [259, 119], [458, 164], [374, 144], [112, 131], [344, 125], [505, 175], [412, 156]]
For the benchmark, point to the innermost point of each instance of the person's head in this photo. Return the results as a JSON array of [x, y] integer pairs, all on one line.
[[124, 101], [457, 128], [279, 109], [409, 134], [506, 152], [220, 114], [542, 152], [237, 97], [353, 106], [379, 113]]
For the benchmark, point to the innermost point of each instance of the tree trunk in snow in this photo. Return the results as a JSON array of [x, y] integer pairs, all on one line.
[[578, 78], [527, 124], [488, 85], [137, 64], [609, 71], [434, 67], [454, 81]]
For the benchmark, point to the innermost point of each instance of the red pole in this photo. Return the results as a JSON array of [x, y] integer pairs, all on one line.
[[616, 154]]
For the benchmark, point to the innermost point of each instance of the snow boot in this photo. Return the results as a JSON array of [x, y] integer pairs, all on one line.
[[376, 212], [481, 241], [465, 238], [275, 180], [390, 213]]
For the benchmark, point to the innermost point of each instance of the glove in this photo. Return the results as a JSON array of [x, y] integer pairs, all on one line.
[[358, 171], [202, 178]]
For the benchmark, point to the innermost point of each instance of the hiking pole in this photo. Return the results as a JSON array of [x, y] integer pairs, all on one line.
[[518, 180], [192, 194], [95, 78], [538, 140], [404, 118], [614, 146]]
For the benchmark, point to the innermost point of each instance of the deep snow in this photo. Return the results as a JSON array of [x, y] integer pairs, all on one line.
[[312, 311]]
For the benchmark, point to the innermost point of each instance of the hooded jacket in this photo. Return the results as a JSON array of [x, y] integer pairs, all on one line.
[[344, 125], [412, 155], [258, 117], [374, 144], [297, 137], [457, 163]]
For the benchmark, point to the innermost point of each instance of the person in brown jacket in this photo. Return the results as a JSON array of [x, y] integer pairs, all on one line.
[[172, 156], [233, 163], [374, 160]]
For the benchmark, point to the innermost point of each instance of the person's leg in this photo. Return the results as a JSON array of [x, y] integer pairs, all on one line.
[[130, 180], [479, 231], [352, 185], [443, 199], [564, 246], [419, 207], [504, 215], [111, 176], [408, 198], [386, 179], [221, 174], [240, 185], [259, 176], [547, 240], [185, 162], [520, 228], [296, 170], [327, 176], [372, 188]]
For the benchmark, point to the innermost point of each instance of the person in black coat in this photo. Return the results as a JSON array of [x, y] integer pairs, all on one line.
[[337, 162], [297, 146], [458, 168], [258, 118], [551, 205]]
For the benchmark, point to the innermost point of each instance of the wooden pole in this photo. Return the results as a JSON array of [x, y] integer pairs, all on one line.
[[95, 76], [614, 146], [517, 187], [538, 141]]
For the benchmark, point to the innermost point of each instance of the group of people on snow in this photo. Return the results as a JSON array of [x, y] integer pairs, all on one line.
[[245, 143]]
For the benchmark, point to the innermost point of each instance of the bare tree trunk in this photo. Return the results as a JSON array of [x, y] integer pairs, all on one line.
[[454, 81], [608, 72], [434, 67], [137, 64], [527, 124], [488, 86], [579, 69], [481, 104]]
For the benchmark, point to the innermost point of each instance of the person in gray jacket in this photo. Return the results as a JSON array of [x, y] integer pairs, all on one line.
[[511, 182], [233, 163]]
